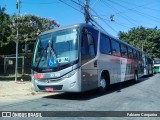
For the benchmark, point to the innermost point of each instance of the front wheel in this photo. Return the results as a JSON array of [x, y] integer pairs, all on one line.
[[103, 84]]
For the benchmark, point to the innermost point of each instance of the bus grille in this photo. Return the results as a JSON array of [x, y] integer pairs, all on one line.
[[55, 87]]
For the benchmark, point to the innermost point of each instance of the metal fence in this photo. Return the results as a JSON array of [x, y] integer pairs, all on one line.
[[7, 64]]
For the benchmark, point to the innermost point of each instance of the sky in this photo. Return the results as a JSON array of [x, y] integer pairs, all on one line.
[[126, 13]]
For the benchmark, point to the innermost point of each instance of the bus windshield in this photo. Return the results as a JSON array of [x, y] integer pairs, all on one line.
[[56, 48]]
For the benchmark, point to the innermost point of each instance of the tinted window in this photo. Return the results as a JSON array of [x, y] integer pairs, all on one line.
[[88, 44], [124, 51], [130, 53], [94, 34], [115, 48], [135, 54], [140, 55], [105, 45], [85, 48], [88, 48]]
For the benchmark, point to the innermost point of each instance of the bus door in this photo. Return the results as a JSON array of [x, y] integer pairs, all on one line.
[[89, 75]]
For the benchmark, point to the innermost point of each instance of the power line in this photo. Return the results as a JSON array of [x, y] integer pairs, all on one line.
[[77, 3], [121, 24], [114, 9], [80, 4], [142, 6], [40, 3], [103, 20], [97, 25], [71, 6], [140, 13], [95, 3]]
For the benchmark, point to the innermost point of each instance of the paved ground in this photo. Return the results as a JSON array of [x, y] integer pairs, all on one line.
[[128, 96]]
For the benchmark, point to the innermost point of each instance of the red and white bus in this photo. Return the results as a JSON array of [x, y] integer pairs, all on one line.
[[81, 57]]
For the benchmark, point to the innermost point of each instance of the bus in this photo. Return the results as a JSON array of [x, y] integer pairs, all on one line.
[[157, 65], [81, 57], [148, 65]]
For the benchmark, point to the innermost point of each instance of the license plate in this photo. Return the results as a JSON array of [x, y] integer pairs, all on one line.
[[49, 89]]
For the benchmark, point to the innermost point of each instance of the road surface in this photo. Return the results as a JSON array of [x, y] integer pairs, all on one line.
[[127, 96]]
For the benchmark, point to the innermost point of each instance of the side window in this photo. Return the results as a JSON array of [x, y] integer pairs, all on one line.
[[115, 48], [105, 47], [124, 52], [135, 54], [140, 55], [130, 53]]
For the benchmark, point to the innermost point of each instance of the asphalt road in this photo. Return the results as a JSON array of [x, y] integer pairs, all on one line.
[[127, 96]]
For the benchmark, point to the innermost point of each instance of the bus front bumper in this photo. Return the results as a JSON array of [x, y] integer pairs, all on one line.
[[68, 84]]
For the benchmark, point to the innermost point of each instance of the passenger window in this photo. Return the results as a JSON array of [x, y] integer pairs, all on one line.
[[140, 55], [105, 45], [130, 53], [135, 54], [115, 48], [124, 52]]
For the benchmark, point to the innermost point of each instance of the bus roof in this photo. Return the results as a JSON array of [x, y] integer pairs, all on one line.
[[87, 25]]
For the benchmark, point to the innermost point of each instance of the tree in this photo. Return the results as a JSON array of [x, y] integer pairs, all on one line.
[[30, 26], [5, 31], [143, 38]]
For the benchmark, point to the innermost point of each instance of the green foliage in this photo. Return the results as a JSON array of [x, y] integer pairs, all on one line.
[[147, 39], [29, 27], [4, 28]]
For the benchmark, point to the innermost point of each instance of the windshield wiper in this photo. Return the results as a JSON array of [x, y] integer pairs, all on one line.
[[41, 57], [53, 52]]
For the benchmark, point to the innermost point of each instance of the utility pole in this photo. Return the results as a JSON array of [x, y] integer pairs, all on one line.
[[86, 11], [18, 12]]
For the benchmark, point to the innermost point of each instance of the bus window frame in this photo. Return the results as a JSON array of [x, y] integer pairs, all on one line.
[[121, 44], [112, 48], [109, 40]]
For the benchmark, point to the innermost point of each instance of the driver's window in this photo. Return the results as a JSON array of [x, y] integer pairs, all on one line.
[[84, 46], [91, 45], [88, 44]]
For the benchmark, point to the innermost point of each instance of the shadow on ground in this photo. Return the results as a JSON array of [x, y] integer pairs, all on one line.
[[95, 93], [6, 77]]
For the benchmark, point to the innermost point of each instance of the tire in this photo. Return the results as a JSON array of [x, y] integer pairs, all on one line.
[[103, 84]]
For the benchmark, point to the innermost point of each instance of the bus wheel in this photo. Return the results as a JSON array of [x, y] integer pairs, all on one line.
[[103, 84], [136, 76]]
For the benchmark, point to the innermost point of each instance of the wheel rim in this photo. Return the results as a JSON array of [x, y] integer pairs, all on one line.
[[136, 77], [102, 83]]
